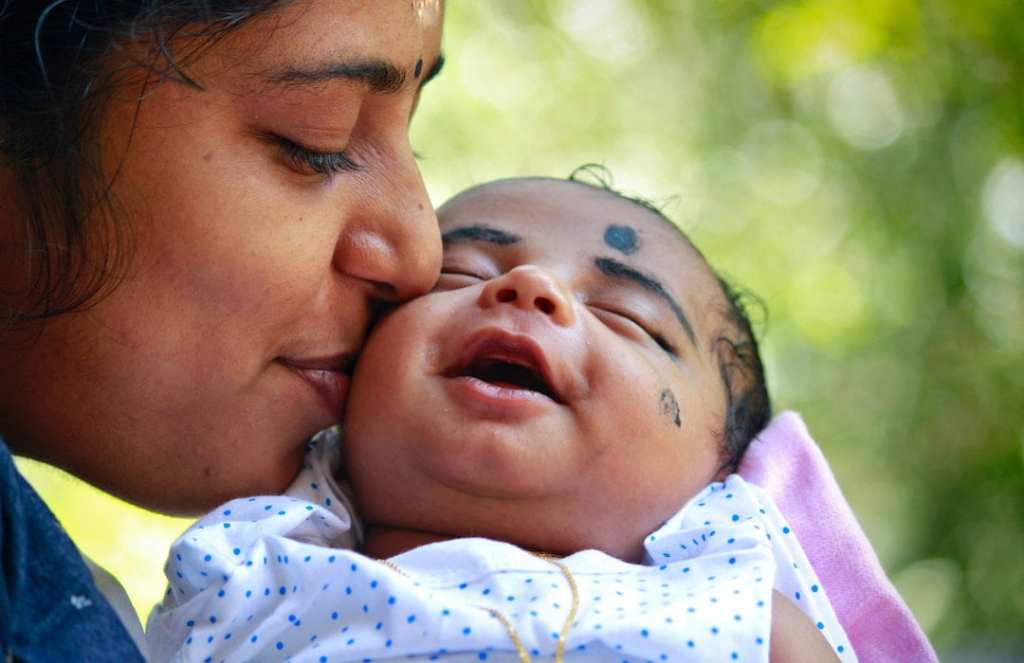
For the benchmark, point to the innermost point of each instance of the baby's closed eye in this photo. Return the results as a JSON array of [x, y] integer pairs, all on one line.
[[631, 323]]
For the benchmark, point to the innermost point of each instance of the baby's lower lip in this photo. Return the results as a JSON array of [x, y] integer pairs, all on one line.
[[497, 401]]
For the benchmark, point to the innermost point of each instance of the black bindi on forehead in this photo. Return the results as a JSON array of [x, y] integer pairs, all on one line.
[[622, 239], [419, 68]]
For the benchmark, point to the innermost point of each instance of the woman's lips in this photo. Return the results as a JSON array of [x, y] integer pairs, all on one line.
[[329, 378]]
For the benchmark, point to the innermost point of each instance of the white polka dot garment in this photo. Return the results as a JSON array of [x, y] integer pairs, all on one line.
[[275, 579]]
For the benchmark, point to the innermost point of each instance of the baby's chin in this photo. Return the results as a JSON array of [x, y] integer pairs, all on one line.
[[539, 485], [552, 527]]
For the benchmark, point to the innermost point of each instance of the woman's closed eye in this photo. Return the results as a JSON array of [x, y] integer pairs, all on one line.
[[619, 318], [308, 161]]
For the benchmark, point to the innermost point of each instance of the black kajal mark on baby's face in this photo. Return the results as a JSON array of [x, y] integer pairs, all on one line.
[[669, 407], [419, 68], [622, 238]]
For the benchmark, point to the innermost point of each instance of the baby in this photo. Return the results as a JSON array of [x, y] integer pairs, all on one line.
[[539, 453]]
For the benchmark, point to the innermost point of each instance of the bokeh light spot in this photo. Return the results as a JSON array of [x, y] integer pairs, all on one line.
[[827, 304], [782, 161], [1003, 200], [928, 586], [610, 30], [864, 110]]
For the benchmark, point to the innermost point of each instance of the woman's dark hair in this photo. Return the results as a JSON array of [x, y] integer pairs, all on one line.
[[748, 407], [59, 61]]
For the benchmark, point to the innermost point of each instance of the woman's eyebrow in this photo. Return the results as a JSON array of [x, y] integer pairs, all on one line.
[[615, 269], [478, 233], [382, 76]]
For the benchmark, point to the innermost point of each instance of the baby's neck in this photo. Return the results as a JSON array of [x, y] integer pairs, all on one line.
[[382, 542]]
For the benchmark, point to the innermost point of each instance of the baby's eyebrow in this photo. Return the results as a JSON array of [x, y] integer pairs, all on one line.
[[479, 233], [615, 269]]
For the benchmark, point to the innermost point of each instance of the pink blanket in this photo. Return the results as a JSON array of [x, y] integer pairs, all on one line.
[[786, 463]]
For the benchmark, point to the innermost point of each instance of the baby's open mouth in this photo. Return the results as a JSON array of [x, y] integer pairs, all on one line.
[[508, 362], [505, 373]]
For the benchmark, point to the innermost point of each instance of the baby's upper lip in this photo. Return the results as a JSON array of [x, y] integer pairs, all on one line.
[[517, 349]]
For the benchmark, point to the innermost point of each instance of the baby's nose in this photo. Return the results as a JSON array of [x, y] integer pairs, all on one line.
[[531, 288]]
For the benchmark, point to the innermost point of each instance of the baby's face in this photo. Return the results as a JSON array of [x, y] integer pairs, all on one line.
[[558, 389]]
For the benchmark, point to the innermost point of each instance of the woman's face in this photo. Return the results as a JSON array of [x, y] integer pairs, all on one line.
[[267, 212]]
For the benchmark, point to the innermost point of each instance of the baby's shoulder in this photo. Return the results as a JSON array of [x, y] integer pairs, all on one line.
[[726, 515]]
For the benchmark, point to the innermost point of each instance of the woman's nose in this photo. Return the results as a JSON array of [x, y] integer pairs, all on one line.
[[531, 288], [394, 243]]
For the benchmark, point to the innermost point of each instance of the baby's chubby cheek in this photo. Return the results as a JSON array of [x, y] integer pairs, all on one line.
[[651, 452], [387, 401]]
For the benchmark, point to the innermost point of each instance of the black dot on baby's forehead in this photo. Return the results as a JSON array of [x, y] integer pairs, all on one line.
[[419, 68], [621, 238]]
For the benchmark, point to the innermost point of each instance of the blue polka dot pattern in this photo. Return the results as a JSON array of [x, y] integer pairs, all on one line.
[[275, 578]]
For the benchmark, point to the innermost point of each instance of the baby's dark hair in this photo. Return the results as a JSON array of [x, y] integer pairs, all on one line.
[[748, 407]]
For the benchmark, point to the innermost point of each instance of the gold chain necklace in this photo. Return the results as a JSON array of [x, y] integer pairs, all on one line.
[[524, 656]]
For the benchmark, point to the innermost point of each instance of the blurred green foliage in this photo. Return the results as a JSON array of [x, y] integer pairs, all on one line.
[[857, 164]]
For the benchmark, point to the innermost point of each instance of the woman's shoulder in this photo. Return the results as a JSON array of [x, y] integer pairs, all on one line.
[[50, 608]]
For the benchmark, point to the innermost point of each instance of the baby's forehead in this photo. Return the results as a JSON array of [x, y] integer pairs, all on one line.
[[537, 204], [568, 222], [549, 210]]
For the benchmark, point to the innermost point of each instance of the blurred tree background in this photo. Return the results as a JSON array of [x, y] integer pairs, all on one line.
[[857, 164]]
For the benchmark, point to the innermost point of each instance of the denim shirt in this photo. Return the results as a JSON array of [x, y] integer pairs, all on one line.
[[50, 608]]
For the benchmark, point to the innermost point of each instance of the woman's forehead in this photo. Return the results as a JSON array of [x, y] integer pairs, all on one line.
[[300, 38]]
